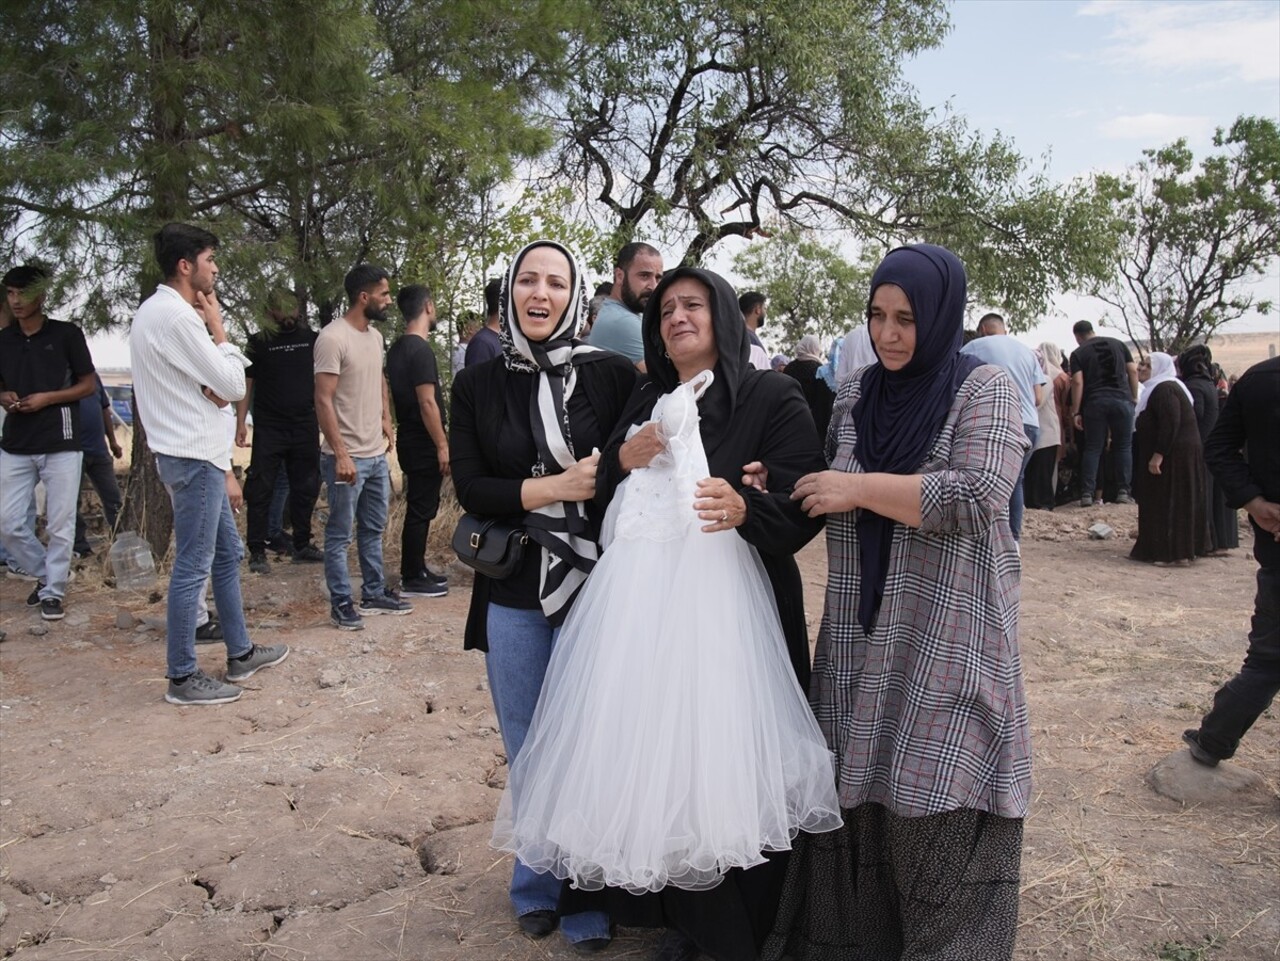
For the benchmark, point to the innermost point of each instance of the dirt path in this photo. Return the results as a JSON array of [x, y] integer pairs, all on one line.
[[340, 809]]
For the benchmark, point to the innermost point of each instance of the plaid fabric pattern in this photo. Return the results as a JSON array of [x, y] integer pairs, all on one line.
[[927, 714]]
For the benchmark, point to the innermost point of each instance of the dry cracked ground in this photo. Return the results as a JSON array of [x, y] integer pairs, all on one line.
[[340, 809]]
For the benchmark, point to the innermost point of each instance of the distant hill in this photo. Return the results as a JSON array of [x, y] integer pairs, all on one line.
[[1236, 353]]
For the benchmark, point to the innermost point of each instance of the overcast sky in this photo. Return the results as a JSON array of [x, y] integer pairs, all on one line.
[[1086, 86]]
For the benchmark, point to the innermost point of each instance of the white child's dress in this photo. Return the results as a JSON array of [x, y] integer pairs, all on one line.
[[671, 741]]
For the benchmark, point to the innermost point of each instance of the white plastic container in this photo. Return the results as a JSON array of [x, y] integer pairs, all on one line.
[[132, 563]]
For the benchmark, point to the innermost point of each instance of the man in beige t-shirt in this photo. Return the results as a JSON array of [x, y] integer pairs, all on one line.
[[355, 419]]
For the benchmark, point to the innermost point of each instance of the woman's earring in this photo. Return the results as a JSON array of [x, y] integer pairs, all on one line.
[[666, 355]]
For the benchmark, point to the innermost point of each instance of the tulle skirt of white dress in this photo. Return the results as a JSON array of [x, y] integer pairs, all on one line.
[[671, 741]]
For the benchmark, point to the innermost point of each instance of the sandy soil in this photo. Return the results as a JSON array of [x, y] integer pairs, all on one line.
[[340, 809]]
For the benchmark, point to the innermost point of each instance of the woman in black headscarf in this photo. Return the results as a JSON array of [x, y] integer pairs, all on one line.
[[917, 680], [692, 323], [1196, 369], [524, 427]]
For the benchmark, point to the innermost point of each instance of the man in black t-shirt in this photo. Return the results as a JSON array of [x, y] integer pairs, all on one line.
[[1104, 388], [421, 444], [45, 368], [280, 389]]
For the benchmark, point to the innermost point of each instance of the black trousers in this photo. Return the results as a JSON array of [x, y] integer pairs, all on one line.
[[1241, 701], [1038, 482], [296, 449], [422, 501]]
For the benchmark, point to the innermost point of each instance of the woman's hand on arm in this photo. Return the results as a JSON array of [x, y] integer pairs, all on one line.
[[896, 496], [578, 483], [719, 504]]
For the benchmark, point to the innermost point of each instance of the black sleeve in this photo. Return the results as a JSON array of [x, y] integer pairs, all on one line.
[[478, 490], [1224, 450], [636, 410], [789, 449]]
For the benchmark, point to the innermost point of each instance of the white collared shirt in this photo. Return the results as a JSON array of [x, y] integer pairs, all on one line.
[[173, 358]]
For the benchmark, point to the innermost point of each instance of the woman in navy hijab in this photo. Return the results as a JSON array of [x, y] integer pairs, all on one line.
[[917, 682]]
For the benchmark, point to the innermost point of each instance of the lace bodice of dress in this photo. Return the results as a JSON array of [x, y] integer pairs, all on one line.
[[657, 501]]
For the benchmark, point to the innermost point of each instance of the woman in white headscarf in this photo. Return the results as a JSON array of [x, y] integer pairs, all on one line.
[[1170, 482], [524, 428]]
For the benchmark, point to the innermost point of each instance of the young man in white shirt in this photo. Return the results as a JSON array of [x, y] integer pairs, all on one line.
[[180, 377]]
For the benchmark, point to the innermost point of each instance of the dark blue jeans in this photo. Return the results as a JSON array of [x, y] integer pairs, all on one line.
[[520, 644], [1104, 414], [1017, 500], [1242, 699]]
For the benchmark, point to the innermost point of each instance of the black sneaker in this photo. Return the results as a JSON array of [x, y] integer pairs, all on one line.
[[344, 617], [259, 656], [258, 563], [209, 632], [200, 688], [1198, 753], [281, 544], [33, 599], [430, 575], [51, 609], [79, 553], [388, 603], [421, 587], [308, 555]]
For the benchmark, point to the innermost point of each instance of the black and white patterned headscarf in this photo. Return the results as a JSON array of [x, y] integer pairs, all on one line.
[[561, 529]]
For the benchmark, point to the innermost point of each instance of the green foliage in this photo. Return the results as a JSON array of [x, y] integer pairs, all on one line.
[[753, 113], [811, 288], [309, 135], [1193, 239]]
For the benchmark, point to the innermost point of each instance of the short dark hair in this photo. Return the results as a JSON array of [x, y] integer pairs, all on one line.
[[362, 277], [413, 299], [604, 288], [176, 242], [28, 275], [1082, 327], [492, 291], [990, 317], [629, 251], [750, 301]]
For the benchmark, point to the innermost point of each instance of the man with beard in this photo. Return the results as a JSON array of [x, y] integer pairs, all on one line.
[[636, 272], [752, 306], [280, 386], [184, 370], [421, 444], [354, 412]]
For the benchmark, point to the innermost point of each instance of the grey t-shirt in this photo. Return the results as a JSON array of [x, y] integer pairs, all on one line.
[[618, 329]]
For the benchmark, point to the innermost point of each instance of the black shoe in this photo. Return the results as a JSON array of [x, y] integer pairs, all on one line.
[[281, 544], [674, 946], [209, 632], [1198, 753], [421, 587], [51, 609], [429, 575], [33, 599], [308, 555], [537, 924], [592, 945], [258, 563]]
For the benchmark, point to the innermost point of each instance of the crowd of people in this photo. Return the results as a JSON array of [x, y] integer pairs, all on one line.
[[676, 759]]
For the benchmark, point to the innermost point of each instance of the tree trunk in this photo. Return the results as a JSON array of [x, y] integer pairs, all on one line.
[[147, 508]]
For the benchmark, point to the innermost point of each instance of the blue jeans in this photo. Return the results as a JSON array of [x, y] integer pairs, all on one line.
[[1017, 500], [365, 504], [19, 474], [1242, 699], [1100, 415], [205, 542], [520, 644]]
